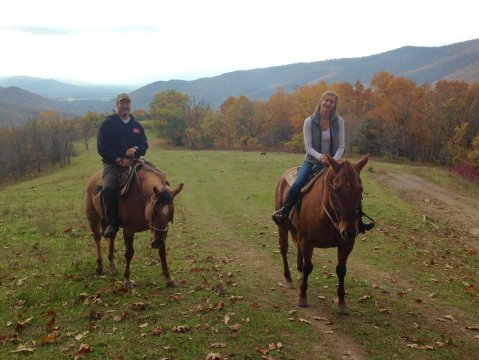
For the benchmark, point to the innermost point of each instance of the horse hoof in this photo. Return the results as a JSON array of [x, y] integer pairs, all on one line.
[[99, 272], [343, 310], [171, 283], [113, 269], [128, 285], [303, 302], [291, 285]]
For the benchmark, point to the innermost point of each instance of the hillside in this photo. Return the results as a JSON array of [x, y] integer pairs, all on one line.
[[458, 61]]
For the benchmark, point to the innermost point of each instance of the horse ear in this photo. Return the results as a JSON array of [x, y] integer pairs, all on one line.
[[155, 190], [333, 163], [359, 166], [177, 190]]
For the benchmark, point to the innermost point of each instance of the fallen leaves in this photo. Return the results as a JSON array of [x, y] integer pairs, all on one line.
[[180, 329], [83, 351], [214, 356]]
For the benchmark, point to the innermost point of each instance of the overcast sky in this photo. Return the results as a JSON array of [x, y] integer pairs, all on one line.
[[141, 41]]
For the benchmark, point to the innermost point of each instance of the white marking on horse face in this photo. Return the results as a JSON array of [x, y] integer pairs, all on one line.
[[164, 210]]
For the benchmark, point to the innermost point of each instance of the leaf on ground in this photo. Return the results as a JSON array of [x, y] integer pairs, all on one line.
[[95, 315], [235, 298], [255, 306], [48, 339], [262, 350], [121, 317], [450, 317], [305, 321], [235, 327], [472, 328], [364, 298], [23, 348], [78, 337], [10, 337], [21, 325], [421, 347], [275, 346], [173, 298], [214, 356], [195, 270], [227, 319], [144, 325], [180, 329], [83, 350], [140, 306], [157, 331], [384, 311], [217, 345], [319, 318]]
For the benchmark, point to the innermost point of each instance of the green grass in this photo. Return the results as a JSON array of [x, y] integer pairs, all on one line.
[[222, 251]]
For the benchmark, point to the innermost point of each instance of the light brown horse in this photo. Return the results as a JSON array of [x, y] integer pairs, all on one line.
[[148, 205], [328, 217]]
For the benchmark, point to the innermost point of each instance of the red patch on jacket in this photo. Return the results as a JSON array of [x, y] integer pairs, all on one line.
[[136, 130]]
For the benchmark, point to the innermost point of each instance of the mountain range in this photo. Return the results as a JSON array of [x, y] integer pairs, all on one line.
[[21, 97]]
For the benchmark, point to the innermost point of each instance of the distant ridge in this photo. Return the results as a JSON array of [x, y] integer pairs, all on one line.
[[458, 61]]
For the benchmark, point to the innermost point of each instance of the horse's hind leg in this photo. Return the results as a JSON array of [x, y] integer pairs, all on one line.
[[95, 229], [129, 252], [283, 245]]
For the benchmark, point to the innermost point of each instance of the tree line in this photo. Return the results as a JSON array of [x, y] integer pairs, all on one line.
[[392, 118]]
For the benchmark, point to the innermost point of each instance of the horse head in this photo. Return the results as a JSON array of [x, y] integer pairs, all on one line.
[[345, 193], [160, 209]]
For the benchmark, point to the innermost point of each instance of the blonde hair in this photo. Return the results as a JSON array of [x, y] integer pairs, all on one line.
[[318, 106]]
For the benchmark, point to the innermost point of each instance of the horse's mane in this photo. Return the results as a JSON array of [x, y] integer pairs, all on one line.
[[149, 167]]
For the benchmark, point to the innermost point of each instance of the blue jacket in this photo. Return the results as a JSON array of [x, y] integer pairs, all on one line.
[[115, 138]]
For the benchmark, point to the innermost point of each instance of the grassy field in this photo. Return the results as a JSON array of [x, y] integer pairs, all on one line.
[[412, 293]]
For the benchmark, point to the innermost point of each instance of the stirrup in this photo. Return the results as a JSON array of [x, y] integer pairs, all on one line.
[[279, 217]]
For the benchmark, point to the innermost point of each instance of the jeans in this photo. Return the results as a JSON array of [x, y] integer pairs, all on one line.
[[110, 193], [304, 173]]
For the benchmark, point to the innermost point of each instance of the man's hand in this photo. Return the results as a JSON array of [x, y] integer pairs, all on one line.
[[130, 153], [124, 162]]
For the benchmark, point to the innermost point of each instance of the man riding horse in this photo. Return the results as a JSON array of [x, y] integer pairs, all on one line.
[[120, 140]]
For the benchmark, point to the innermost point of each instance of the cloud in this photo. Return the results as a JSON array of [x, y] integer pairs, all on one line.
[[38, 30], [41, 30]]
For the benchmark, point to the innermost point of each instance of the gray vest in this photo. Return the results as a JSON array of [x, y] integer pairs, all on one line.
[[316, 137]]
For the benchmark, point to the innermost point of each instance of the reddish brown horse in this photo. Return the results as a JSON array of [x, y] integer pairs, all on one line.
[[328, 217], [148, 205]]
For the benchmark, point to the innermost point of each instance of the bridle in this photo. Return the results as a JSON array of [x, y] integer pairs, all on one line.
[[165, 229], [332, 204]]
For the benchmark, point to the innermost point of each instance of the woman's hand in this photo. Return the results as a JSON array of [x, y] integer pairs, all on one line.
[[324, 159]]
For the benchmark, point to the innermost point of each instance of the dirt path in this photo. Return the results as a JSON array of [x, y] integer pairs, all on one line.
[[458, 211]]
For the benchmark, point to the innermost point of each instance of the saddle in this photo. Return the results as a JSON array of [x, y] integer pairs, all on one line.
[[127, 176]]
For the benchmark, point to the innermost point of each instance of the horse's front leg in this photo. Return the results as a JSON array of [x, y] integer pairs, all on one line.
[[343, 253], [307, 251], [170, 282], [129, 252], [111, 256]]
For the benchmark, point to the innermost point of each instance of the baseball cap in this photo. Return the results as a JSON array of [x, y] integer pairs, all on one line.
[[122, 96]]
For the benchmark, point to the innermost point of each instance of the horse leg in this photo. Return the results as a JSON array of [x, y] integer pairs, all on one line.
[[129, 252], [283, 245], [343, 254], [307, 252], [111, 256], [299, 255], [170, 282], [95, 229]]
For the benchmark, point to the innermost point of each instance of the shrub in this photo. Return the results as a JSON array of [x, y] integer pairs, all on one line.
[[467, 171]]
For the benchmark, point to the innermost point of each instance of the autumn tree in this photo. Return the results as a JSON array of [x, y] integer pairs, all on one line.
[[170, 110]]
